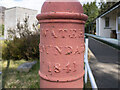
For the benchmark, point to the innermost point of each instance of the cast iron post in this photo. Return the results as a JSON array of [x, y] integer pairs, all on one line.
[[61, 44]]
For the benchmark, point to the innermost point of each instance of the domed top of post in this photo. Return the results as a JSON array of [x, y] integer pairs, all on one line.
[[62, 9]]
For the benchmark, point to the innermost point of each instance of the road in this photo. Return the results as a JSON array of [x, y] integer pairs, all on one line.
[[105, 65]]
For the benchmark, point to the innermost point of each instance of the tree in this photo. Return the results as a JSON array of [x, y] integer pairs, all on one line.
[[22, 30], [92, 11], [105, 5]]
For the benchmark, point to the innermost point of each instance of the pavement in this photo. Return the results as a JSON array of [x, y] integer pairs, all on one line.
[[104, 63]]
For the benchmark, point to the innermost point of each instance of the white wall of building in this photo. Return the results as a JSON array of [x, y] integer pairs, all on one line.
[[103, 31], [13, 15], [21, 13], [2, 10], [106, 32], [97, 26], [118, 36], [117, 31], [113, 21], [10, 20]]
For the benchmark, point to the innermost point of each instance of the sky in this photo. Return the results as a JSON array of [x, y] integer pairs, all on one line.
[[31, 4]]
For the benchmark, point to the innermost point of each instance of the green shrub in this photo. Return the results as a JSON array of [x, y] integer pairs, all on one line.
[[2, 29], [23, 46]]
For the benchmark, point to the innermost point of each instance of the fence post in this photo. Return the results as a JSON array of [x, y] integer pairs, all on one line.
[[86, 58], [87, 68], [61, 44]]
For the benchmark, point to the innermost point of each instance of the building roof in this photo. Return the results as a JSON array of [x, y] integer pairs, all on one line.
[[20, 7], [2, 8], [115, 6]]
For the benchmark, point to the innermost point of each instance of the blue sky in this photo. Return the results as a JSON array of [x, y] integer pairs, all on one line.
[[32, 4]]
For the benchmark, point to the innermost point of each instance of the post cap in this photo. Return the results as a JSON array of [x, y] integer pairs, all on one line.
[[62, 9]]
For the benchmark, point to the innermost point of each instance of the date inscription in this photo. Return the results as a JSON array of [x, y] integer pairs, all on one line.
[[58, 68]]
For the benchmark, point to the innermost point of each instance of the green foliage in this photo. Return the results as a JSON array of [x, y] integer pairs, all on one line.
[[22, 48], [92, 11], [2, 29], [22, 30], [105, 5], [25, 43]]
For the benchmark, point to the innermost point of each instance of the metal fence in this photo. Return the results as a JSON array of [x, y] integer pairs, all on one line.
[[110, 41], [87, 68]]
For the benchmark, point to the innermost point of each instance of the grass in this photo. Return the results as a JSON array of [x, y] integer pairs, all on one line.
[[1, 44], [0, 75], [16, 79], [88, 85], [24, 80]]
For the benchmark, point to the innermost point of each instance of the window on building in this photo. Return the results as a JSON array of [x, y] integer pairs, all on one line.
[[107, 22], [119, 23]]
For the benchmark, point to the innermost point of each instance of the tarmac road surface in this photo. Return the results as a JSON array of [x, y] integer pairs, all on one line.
[[105, 64]]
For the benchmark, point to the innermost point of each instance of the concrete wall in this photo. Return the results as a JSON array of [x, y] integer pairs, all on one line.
[[1, 20], [13, 15], [2, 10], [10, 21]]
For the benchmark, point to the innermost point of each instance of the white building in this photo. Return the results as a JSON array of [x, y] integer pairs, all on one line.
[[15, 14], [108, 23], [2, 10]]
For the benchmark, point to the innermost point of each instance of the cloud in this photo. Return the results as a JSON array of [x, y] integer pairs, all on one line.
[[17, 0], [32, 4]]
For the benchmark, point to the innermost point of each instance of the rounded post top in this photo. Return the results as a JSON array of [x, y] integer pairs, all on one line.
[[72, 6], [62, 9]]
